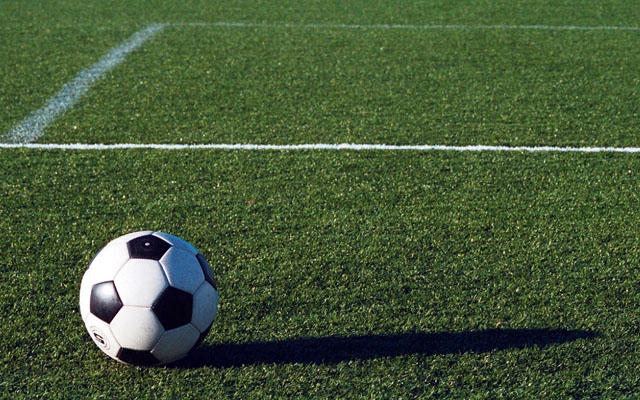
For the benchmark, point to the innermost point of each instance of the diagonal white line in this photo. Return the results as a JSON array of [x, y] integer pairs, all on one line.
[[32, 127], [320, 146]]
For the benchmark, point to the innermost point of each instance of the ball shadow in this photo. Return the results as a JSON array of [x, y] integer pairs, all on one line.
[[332, 350]]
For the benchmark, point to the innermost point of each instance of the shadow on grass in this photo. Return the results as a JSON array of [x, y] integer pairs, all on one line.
[[332, 350]]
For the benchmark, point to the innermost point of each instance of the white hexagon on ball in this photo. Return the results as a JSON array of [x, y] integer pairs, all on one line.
[[182, 269], [205, 306], [140, 282], [176, 343], [107, 263], [85, 294], [136, 328], [102, 335]]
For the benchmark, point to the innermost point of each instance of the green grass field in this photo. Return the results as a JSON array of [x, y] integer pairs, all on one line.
[[342, 274]]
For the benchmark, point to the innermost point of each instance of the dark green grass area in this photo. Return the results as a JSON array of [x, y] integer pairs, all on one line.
[[281, 85], [341, 274]]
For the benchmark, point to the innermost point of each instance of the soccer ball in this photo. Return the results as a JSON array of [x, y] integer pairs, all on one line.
[[148, 298]]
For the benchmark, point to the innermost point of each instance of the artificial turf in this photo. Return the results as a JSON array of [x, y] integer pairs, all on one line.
[[342, 274]]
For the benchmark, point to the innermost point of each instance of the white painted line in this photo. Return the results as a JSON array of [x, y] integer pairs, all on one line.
[[32, 127], [410, 27], [319, 146]]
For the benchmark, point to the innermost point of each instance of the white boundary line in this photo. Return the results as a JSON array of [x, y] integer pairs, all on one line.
[[320, 146], [410, 27]]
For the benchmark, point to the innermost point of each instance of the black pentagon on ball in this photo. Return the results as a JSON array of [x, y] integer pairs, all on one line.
[[105, 302], [173, 308], [206, 269], [147, 247], [137, 357]]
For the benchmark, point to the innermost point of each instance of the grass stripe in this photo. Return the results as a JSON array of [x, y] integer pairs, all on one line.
[[320, 146], [32, 127]]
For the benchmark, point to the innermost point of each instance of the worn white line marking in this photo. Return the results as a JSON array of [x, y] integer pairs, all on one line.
[[320, 146], [32, 127], [414, 27]]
